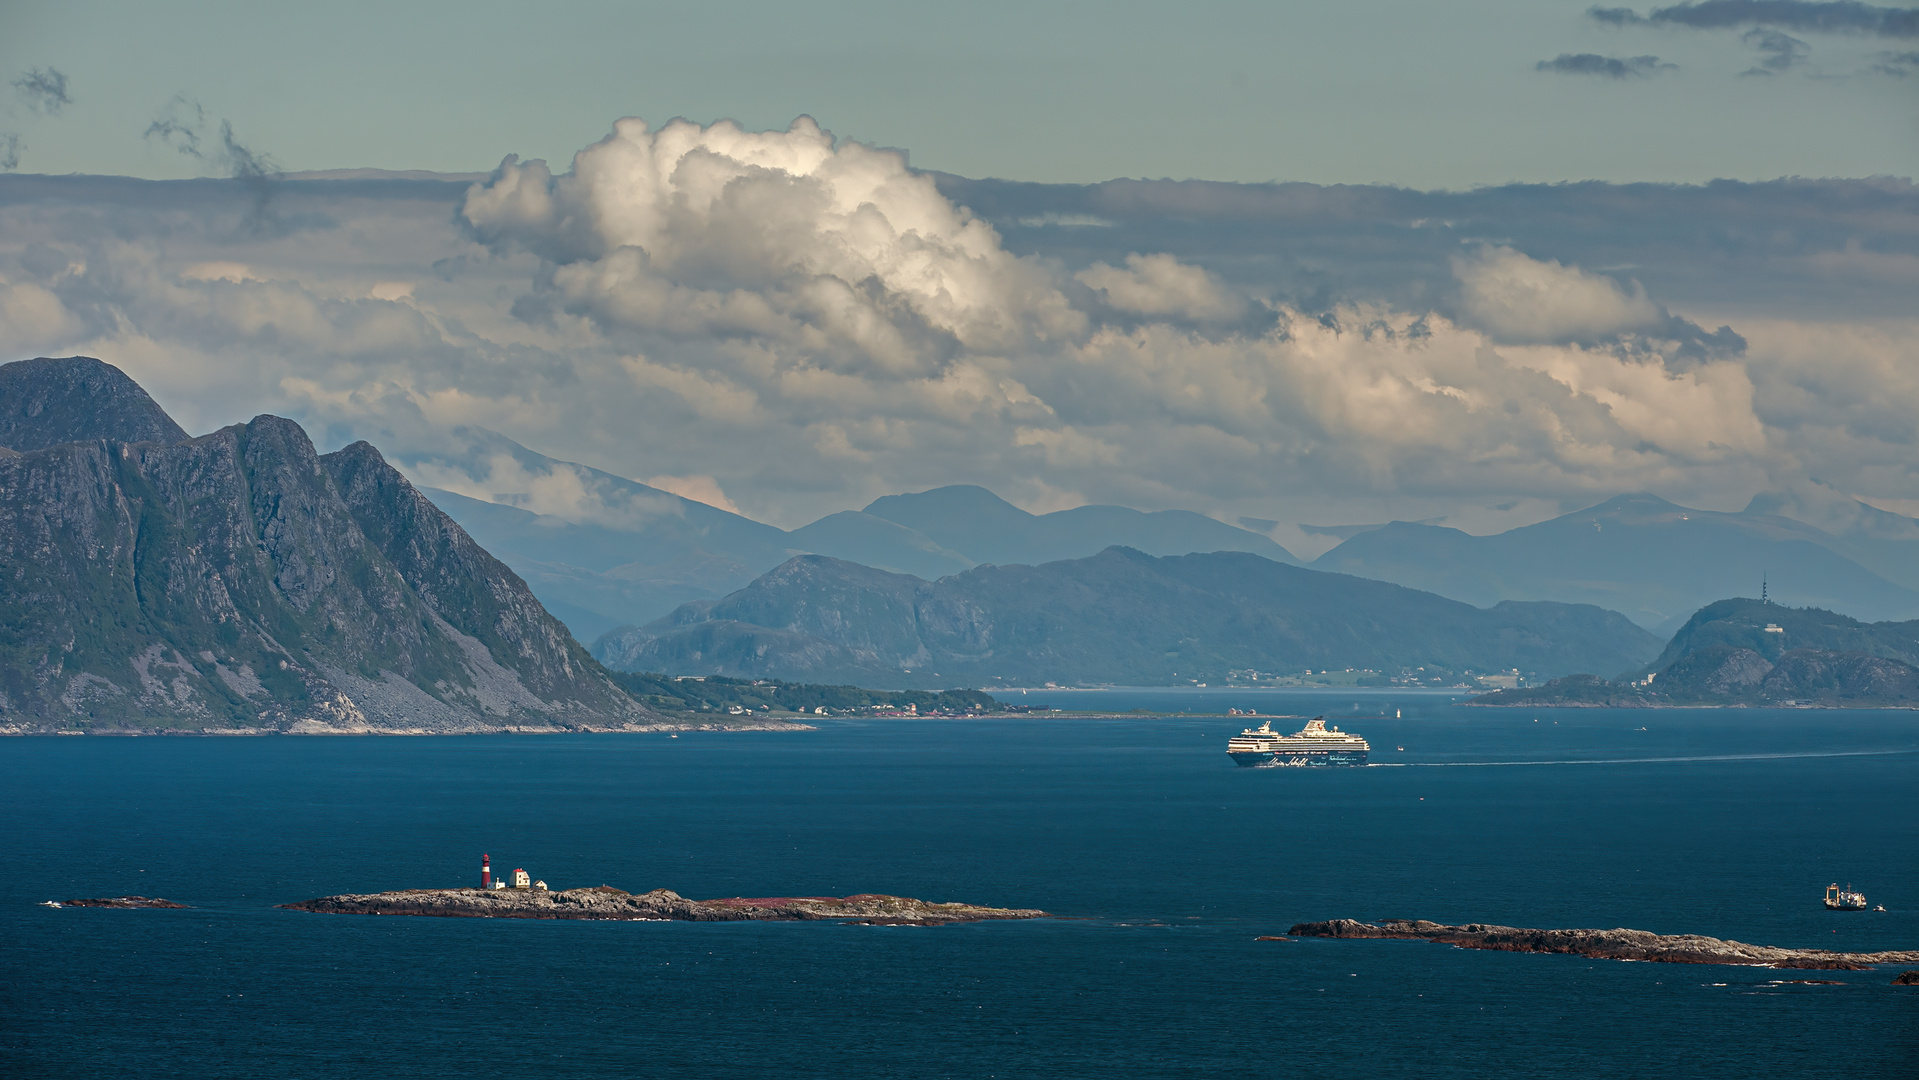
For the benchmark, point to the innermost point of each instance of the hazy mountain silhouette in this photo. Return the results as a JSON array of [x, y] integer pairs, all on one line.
[[1121, 616], [1653, 560], [628, 553]]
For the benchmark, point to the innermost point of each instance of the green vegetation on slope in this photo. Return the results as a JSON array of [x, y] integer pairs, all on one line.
[[722, 695]]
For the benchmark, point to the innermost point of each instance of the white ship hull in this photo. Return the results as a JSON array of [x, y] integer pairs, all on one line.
[[1263, 748]]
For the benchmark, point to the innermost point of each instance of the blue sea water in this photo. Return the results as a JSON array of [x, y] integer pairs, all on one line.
[[1162, 860]]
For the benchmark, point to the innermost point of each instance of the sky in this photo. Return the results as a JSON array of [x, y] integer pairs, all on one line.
[[1476, 263], [1371, 91]]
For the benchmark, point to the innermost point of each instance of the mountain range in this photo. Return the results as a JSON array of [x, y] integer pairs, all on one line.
[[620, 552], [613, 551], [242, 581], [1121, 616], [1654, 561]]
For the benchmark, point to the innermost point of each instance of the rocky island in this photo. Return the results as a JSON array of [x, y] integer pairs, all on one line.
[[117, 902], [1616, 944], [607, 902]]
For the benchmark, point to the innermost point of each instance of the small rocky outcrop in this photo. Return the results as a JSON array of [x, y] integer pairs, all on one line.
[[120, 902], [1906, 978], [606, 902], [1617, 944]]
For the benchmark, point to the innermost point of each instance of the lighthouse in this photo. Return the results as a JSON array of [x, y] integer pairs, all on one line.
[[486, 871]]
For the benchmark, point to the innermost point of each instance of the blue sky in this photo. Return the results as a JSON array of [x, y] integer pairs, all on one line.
[[1411, 93]]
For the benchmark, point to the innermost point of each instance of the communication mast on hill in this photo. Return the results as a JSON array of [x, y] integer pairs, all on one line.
[[1762, 588]]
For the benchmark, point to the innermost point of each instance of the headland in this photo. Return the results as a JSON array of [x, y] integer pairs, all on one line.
[[1619, 944], [607, 902]]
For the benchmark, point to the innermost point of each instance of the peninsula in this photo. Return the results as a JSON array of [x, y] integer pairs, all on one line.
[[1605, 944], [607, 902]]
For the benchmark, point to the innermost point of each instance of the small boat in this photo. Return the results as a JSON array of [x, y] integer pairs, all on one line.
[[1838, 899]]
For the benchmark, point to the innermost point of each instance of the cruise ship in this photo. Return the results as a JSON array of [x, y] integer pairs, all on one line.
[[1315, 744]]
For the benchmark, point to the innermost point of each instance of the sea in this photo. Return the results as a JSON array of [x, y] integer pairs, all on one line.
[[1161, 862]]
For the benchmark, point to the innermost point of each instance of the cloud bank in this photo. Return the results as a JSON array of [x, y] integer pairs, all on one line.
[[1815, 16], [794, 324]]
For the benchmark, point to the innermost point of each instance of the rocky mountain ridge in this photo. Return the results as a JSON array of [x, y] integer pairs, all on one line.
[[241, 581]]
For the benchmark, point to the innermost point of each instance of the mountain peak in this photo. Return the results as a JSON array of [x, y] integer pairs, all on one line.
[[925, 508], [48, 401]]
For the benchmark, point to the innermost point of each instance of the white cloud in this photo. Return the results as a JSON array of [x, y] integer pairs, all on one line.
[[793, 325], [837, 252], [703, 489], [1162, 286], [33, 320], [1530, 301]]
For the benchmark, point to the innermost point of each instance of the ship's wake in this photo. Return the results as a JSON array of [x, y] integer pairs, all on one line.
[[1638, 760]]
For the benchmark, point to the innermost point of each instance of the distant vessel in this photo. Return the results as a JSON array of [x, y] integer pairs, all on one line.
[[1845, 899], [1315, 744]]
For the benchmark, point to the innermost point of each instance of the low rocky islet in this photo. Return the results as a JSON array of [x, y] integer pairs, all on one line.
[[608, 903]]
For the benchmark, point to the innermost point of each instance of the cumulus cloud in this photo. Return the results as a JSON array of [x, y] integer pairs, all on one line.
[[1160, 286], [836, 251], [1521, 299], [44, 90], [1611, 67], [793, 324]]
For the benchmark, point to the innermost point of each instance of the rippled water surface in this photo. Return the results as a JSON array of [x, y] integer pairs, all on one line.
[[1162, 860]]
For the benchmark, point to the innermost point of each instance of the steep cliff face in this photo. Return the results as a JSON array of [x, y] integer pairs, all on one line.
[[46, 402], [241, 580]]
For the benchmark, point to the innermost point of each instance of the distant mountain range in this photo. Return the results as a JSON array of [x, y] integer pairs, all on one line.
[[628, 553], [1655, 561], [1121, 616], [1749, 652], [240, 580]]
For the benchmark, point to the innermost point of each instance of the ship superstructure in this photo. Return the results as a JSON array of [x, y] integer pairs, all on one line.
[[1315, 744], [1845, 899]]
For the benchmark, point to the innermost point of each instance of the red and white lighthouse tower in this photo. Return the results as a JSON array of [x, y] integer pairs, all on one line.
[[486, 871]]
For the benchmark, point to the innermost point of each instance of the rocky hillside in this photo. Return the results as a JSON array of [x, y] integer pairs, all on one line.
[[47, 402], [1748, 652], [241, 580], [1118, 617]]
